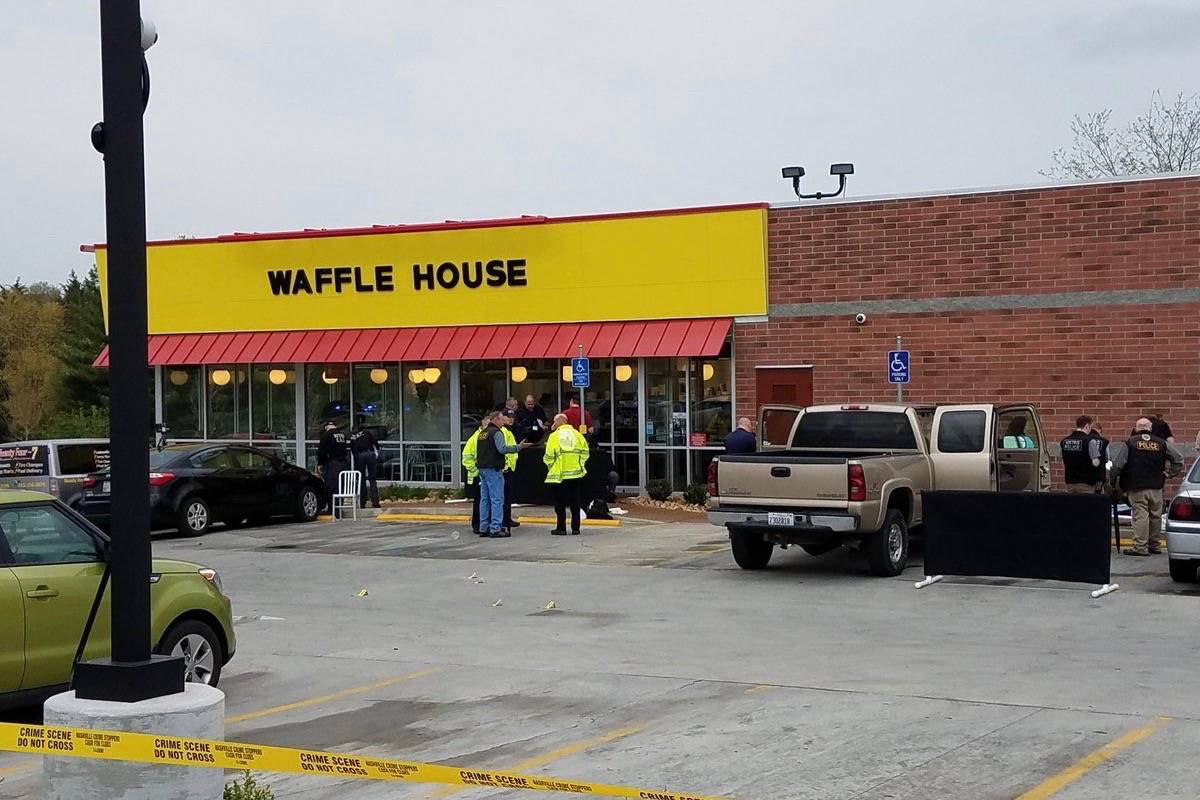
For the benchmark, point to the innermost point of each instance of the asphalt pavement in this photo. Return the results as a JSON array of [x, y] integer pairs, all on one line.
[[641, 655]]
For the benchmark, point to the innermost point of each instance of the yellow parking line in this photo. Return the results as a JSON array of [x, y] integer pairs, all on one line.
[[1059, 781], [549, 757], [329, 698], [419, 517], [267, 712]]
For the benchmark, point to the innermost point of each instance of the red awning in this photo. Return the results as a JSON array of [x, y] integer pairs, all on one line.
[[683, 337]]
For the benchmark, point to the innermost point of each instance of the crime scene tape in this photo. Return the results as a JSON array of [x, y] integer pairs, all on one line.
[[180, 751]]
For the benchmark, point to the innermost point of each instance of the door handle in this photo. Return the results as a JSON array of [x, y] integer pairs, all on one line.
[[781, 472], [42, 591]]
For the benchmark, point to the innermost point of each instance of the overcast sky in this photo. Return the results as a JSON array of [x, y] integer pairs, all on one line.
[[280, 115]]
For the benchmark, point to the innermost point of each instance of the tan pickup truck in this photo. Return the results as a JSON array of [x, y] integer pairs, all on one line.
[[830, 475]]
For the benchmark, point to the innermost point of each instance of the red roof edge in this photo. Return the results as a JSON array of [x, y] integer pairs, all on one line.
[[505, 222]]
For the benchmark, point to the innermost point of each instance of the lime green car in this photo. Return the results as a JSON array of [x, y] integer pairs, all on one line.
[[51, 562]]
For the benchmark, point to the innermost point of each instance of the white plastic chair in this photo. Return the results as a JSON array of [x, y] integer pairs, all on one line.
[[349, 487]]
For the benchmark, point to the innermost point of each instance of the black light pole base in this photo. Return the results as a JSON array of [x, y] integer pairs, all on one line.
[[129, 681]]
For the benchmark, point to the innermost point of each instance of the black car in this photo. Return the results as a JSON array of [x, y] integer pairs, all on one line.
[[193, 486]]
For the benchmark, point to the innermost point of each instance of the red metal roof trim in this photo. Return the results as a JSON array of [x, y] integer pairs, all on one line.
[[668, 338]]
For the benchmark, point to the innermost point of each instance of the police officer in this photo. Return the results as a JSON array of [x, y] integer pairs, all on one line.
[[1142, 465], [1081, 458], [1102, 450], [366, 460], [332, 458], [504, 418]]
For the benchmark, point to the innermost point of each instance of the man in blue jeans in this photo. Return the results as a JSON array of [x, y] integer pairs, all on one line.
[[489, 458]]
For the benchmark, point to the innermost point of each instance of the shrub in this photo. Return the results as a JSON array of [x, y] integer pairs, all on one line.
[[659, 489], [247, 789], [696, 494], [402, 492]]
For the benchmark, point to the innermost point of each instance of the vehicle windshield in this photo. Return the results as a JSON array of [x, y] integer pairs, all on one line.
[[161, 458], [855, 430], [1194, 475]]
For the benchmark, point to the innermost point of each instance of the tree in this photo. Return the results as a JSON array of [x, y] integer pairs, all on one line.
[[1164, 139], [30, 327], [83, 386]]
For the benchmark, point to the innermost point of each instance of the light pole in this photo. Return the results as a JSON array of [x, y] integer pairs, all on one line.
[[133, 673]]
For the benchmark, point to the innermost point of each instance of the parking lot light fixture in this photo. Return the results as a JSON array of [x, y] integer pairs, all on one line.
[[841, 171]]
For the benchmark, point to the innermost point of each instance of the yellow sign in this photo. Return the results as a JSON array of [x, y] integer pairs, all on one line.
[[665, 265], [180, 751]]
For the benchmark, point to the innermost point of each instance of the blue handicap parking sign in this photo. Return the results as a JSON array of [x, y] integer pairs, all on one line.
[[897, 366], [581, 373]]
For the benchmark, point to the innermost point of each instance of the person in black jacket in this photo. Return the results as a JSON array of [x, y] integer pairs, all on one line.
[[332, 458], [1142, 464], [366, 461], [741, 439], [1081, 458]]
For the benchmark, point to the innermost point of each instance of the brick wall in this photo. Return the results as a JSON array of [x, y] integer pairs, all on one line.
[[1110, 361]]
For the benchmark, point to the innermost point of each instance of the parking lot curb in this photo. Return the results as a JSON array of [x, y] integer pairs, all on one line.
[[416, 517]]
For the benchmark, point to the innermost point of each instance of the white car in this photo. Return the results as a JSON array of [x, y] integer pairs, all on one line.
[[1183, 528]]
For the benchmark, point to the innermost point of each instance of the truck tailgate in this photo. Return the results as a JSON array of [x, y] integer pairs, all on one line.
[[782, 480]]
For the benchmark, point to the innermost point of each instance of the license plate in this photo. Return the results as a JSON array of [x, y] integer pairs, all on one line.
[[781, 519], [106, 487]]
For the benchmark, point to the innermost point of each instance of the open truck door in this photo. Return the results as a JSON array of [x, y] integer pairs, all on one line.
[[962, 447], [775, 426], [1022, 459]]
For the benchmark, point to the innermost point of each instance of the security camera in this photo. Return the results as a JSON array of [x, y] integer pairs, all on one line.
[[860, 318], [149, 34]]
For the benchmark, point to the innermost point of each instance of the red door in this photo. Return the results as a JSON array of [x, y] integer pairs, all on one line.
[[788, 385]]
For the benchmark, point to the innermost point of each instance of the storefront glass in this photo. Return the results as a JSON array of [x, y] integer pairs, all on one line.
[[484, 389], [182, 401], [711, 401], [666, 412], [667, 464], [376, 395], [538, 377], [228, 402], [273, 404], [597, 397], [426, 401], [625, 402], [326, 397]]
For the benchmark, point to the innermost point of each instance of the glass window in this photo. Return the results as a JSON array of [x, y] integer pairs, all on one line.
[[538, 377], [598, 398], [700, 461], [44, 535], [777, 425], [214, 459], [668, 464], [711, 400], [252, 459], [484, 389], [426, 401], [80, 459], [427, 463], [855, 430], [961, 431], [326, 397], [1017, 429], [181, 388], [377, 399], [626, 460], [228, 404], [273, 394], [666, 414], [625, 404]]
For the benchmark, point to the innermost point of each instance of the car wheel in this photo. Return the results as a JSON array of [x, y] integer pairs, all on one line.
[[199, 647], [1183, 571], [750, 551], [887, 548], [195, 517], [308, 504], [820, 549]]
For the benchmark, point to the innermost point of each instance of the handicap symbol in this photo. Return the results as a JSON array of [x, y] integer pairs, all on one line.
[[897, 364]]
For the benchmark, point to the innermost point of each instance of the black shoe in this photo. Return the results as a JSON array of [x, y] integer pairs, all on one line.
[[499, 535], [574, 533], [512, 524], [1135, 553], [558, 532], [1156, 552], [478, 532]]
